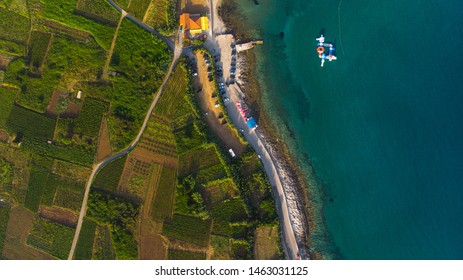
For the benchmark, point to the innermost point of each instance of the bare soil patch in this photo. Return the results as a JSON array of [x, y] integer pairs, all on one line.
[[208, 103], [53, 102], [266, 246], [72, 110], [152, 245], [59, 215], [104, 146]]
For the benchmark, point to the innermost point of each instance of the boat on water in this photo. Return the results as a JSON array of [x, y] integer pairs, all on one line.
[[325, 50]]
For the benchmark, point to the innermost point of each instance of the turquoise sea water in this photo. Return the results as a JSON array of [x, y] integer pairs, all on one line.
[[382, 126]]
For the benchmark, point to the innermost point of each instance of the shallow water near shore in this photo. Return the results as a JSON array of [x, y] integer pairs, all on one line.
[[381, 126]]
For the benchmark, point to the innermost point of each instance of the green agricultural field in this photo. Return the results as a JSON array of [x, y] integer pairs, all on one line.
[[241, 249], [4, 215], [103, 248], [108, 177], [7, 97], [218, 191], [198, 159], [53, 238], [187, 228], [13, 27], [35, 190], [141, 59], [39, 44], [30, 124], [210, 174], [99, 10], [63, 11], [162, 16], [12, 48], [173, 254], [163, 201], [138, 8], [64, 192], [220, 245], [174, 104], [89, 120], [121, 214], [229, 211], [123, 3], [188, 138], [84, 246]]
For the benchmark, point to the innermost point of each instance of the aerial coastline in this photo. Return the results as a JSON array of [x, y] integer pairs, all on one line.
[[303, 215]]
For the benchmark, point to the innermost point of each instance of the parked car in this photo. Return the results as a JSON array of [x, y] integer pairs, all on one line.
[[226, 99]]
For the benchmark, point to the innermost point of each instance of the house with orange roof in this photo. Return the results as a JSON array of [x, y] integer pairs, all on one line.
[[194, 23]]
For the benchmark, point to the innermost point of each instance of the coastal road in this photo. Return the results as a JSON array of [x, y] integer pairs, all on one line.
[[289, 239], [97, 167]]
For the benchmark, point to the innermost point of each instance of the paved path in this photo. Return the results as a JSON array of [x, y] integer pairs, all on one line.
[[97, 167]]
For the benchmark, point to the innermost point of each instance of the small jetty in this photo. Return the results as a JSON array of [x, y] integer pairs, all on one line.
[[248, 45]]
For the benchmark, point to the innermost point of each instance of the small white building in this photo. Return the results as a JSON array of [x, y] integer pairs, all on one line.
[[79, 94]]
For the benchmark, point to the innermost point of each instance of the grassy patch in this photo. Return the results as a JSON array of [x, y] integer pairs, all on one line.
[[51, 237], [7, 97], [163, 200], [241, 249], [108, 177], [28, 123], [187, 228], [4, 216], [210, 174], [173, 254], [85, 243], [99, 10], [63, 11], [266, 243], [13, 27]]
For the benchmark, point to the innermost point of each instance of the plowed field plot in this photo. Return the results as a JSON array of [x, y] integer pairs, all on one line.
[[190, 229], [266, 243]]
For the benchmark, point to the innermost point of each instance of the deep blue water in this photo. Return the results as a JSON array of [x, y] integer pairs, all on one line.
[[381, 126]]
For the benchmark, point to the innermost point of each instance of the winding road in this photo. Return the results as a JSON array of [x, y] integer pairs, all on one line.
[[177, 48]]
